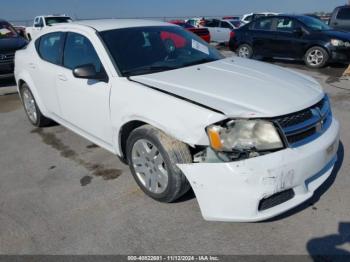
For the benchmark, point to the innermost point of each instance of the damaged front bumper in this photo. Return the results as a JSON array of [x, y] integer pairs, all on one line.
[[260, 188]]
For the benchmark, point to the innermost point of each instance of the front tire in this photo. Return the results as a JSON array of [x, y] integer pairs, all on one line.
[[316, 57], [245, 51], [35, 117], [152, 157]]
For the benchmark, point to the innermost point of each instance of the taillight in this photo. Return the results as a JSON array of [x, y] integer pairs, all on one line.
[[232, 34]]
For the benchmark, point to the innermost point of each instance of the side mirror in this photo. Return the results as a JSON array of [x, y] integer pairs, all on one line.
[[89, 72]]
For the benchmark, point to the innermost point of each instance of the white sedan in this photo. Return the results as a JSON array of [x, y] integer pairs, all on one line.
[[253, 140]]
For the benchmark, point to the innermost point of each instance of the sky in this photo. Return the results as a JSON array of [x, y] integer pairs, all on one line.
[[84, 9]]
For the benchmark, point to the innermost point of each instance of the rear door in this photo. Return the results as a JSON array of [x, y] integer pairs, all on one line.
[[84, 102], [43, 68], [342, 19], [215, 30], [261, 36]]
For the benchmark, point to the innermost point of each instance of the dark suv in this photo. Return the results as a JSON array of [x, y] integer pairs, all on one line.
[[292, 37], [341, 18], [10, 42]]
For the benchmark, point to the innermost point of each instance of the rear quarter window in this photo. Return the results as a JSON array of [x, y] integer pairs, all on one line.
[[49, 47], [343, 14]]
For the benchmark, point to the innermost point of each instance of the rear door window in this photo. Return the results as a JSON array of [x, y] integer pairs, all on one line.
[[344, 14], [50, 46], [263, 24]]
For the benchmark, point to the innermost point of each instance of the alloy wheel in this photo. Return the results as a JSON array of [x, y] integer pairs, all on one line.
[[149, 166], [315, 57], [29, 105], [244, 52]]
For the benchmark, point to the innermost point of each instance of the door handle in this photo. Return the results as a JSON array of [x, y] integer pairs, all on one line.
[[62, 77], [31, 65]]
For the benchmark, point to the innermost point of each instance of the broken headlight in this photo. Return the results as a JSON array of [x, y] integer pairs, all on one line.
[[244, 136]]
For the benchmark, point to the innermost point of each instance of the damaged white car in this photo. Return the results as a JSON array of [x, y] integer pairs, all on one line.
[[253, 140]]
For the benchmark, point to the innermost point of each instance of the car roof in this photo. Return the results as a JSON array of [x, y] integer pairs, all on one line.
[[110, 24]]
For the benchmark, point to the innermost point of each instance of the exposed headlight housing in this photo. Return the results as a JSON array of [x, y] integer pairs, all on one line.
[[337, 42], [244, 135]]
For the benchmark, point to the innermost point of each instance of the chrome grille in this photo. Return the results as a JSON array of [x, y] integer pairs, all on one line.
[[305, 126], [6, 58]]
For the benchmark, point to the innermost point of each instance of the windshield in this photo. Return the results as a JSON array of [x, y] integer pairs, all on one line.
[[145, 50], [7, 31], [314, 23], [57, 20]]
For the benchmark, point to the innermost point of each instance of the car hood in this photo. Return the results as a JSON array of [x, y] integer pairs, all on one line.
[[239, 87], [11, 44], [342, 35]]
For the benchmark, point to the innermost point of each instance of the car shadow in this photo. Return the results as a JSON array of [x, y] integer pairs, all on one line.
[[318, 193], [186, 197], [328, 248]]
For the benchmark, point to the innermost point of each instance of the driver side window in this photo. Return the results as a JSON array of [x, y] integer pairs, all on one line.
[[79, 51]]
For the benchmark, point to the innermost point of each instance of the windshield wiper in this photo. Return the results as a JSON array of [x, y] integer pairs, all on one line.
[[198, 62], [147, 70]]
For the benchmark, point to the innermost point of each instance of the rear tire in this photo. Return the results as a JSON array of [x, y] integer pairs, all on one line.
[[316, 57], [245, 51], [35, 117], [152, 157]]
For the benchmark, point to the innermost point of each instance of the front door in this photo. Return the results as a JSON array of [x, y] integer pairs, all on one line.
[[84, 103], [289, 40]]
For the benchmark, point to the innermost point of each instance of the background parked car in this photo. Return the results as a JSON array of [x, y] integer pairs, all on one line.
[[196, 22], [42, 21], [220, 30], [201, 32], [247, 18], [341, 18], [292, 37], [10, 42]]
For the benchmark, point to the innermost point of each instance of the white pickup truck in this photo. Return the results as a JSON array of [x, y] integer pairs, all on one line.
[[43, 21]]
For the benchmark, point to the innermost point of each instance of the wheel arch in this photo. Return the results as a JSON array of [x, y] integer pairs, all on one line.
[[124, 133], [308, 47], [25, 79]]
